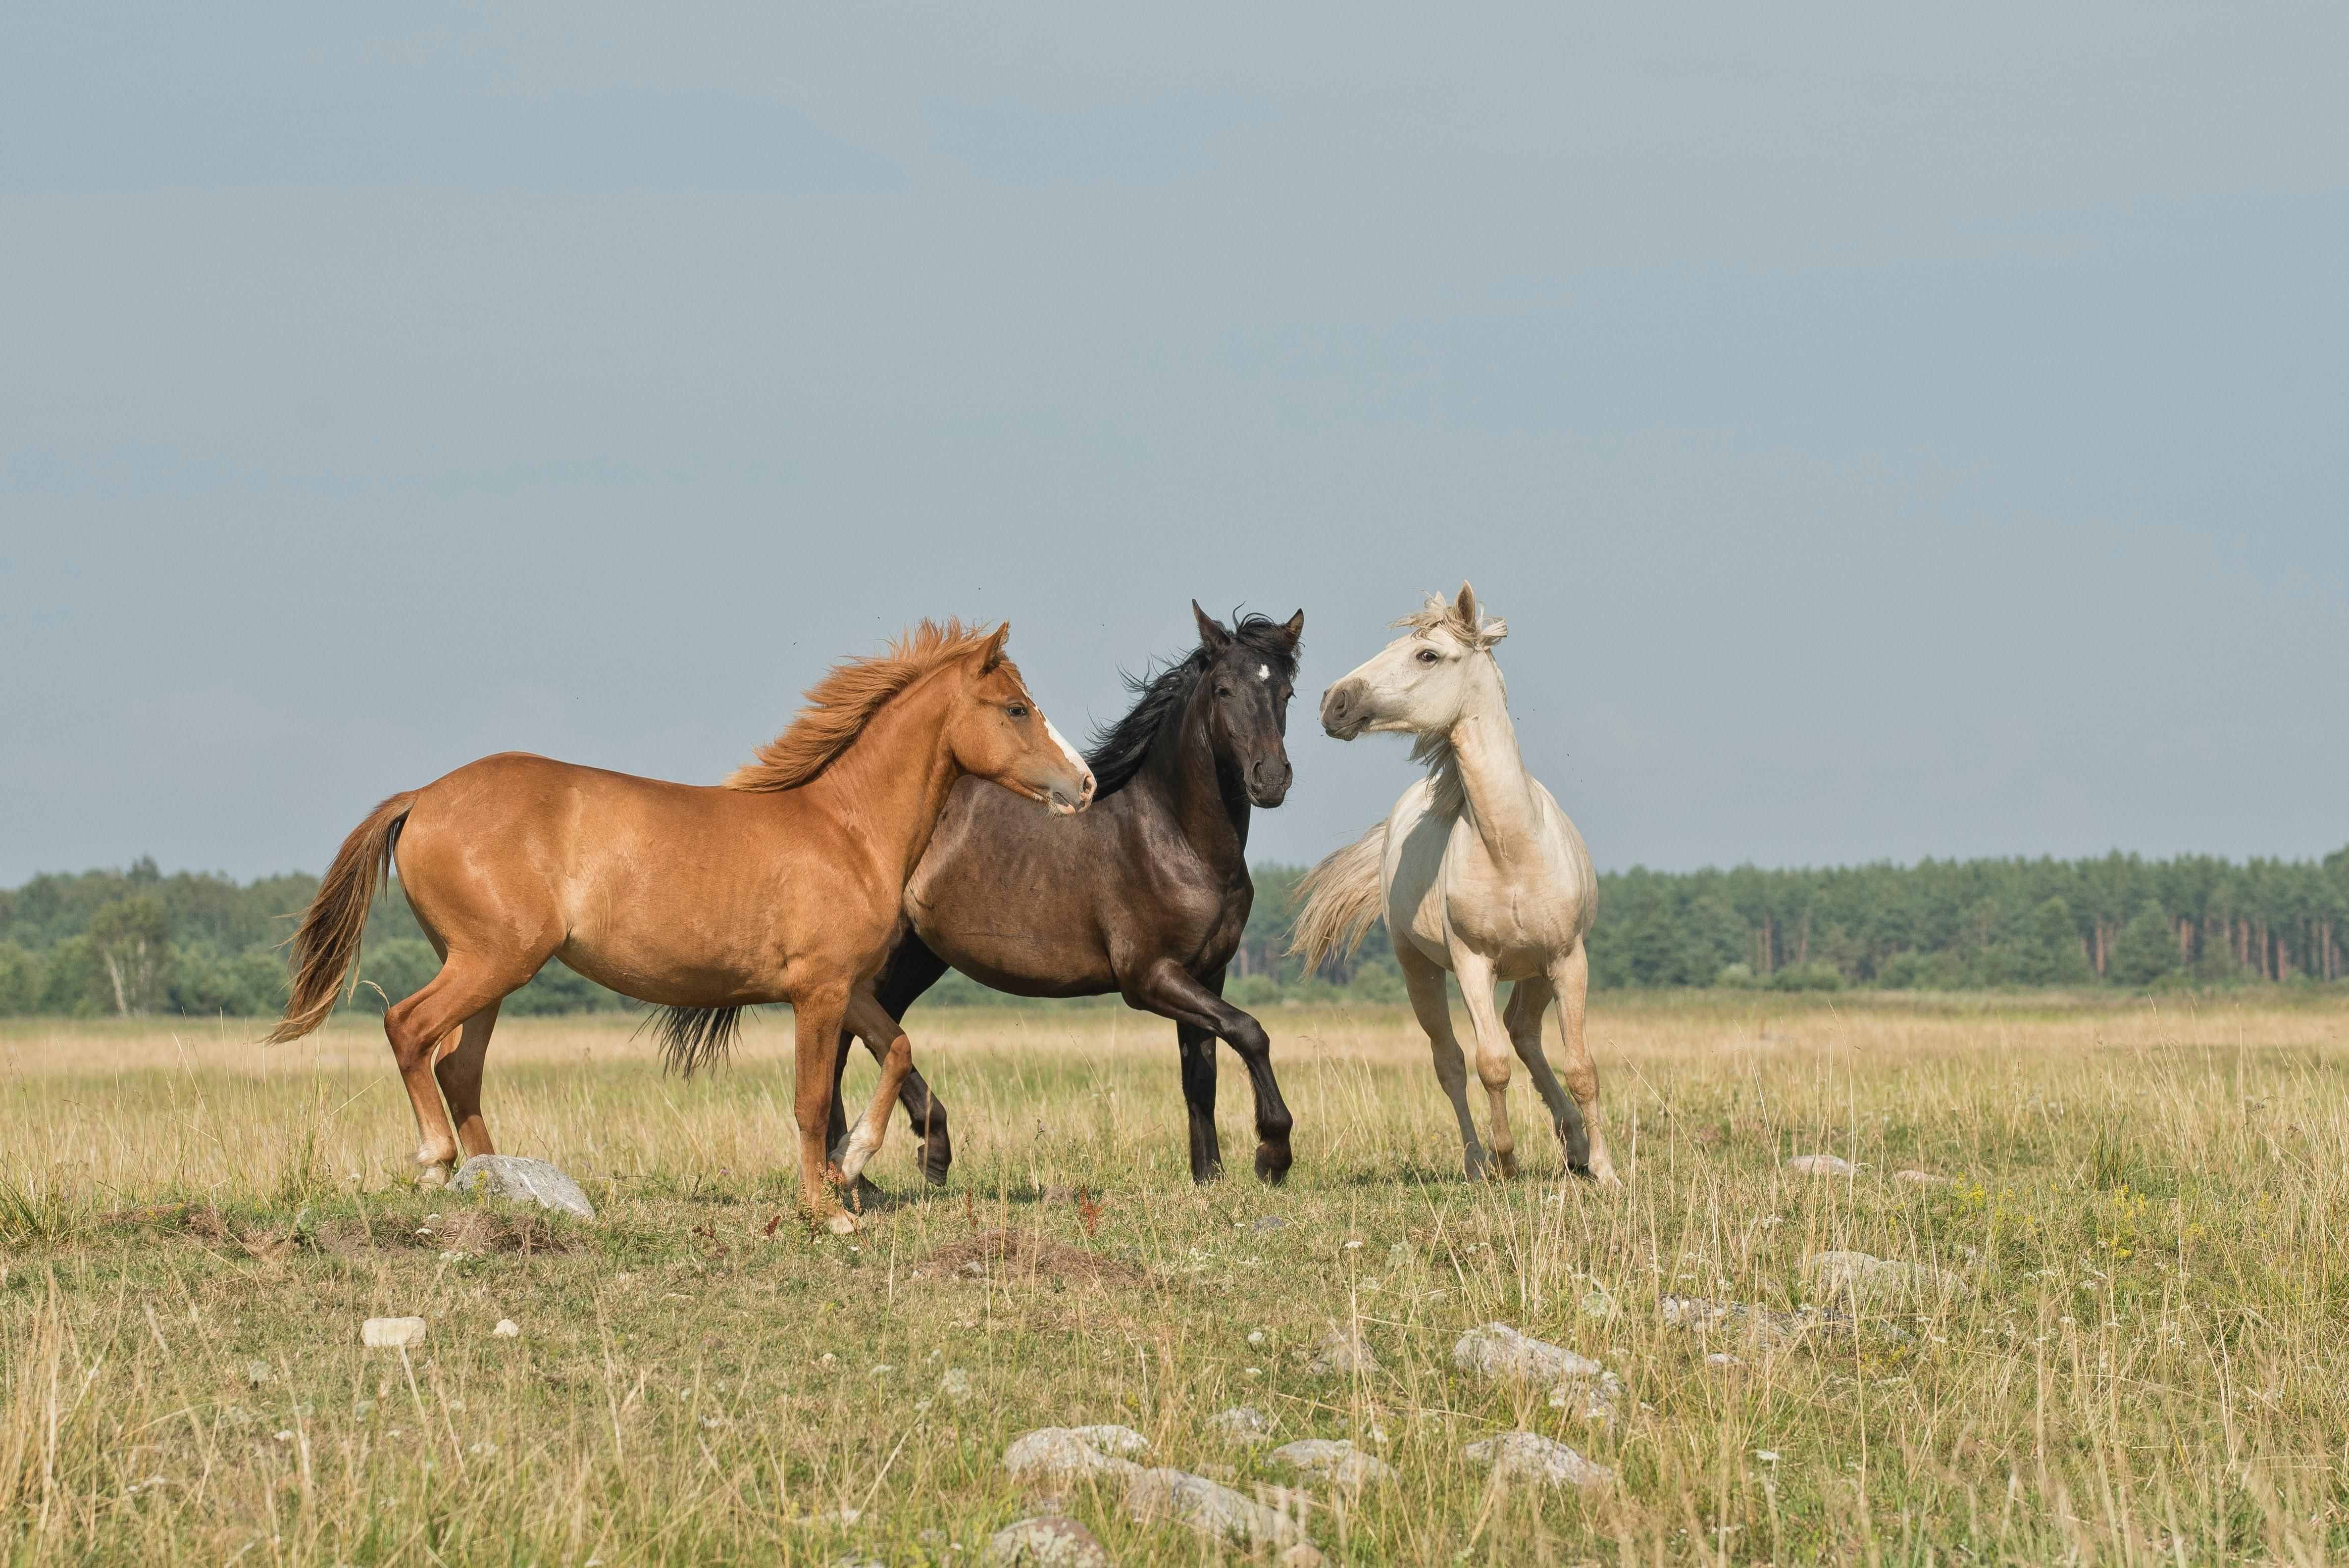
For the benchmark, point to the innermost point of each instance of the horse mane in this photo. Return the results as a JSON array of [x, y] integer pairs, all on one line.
[[840, 705], [1116, 751], [1441, 612]]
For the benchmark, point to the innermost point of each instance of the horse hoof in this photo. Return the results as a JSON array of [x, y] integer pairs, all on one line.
[[1272, 1163], [841, 1224], [432, 1176]]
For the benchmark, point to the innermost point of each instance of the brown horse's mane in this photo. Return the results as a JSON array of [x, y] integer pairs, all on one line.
[[840, 705]]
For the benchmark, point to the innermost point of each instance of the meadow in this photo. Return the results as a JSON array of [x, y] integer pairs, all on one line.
[[2134, 1350]]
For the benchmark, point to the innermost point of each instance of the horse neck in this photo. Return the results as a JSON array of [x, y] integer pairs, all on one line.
[[1491, 772], [893, 779], [1208, 799]]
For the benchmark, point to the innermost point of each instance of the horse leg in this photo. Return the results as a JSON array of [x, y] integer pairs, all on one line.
[[912, 970], [1169, 989], [459, 1072], [815, 1019], [873, 1023], [1423, 977], [1476, 983], [416, 1027], [1523, 1016], [1196, 1046], [1586, 1151]]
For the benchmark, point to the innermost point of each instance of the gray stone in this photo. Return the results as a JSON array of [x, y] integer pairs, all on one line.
[[1241, 1424], [1045, 1541], [1761, 1324], [520, 1179], [1067, 1453], [1335, 1462], [1304, 1555], [1863, 1277], [1341, 1355], [392, 1332], [1528, 1456], [1264, 1222], [1500, 1353], [1819, 1165], [1213, 1509]]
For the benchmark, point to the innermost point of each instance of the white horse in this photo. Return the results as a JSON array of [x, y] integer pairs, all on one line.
[[1476, 870]]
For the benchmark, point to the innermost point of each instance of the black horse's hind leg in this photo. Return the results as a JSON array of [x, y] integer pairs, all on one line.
[[1168, 989], [912, 970], [1198, 1046]]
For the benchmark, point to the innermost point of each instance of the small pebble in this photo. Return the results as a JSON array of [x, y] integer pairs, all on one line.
[[507, 1329]]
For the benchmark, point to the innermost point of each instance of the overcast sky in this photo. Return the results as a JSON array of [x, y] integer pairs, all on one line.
[[1887, 434]]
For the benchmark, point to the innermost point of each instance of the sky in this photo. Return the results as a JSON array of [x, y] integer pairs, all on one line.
[[1889, 432]]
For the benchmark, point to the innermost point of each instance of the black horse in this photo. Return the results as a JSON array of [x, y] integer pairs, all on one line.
[[1146, 894]]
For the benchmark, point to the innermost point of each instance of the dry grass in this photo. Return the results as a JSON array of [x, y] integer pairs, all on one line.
[[2146, 1363]]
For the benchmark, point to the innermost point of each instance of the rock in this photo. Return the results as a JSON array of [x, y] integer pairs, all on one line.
[[1862, 1276], [1241, 1424], [1304, 1555], [1210, 1508], [1047, 1541], [1527, 1456], [1067, 1453], [1341, 1355], [1266, 1222], [1768, 1328], [1918, 1177], [391, 1333], [1722, 1360], [507, 1329], [956, 1384], [1819, 1165], [523, 1180], [1498, 1352], [1335, 1462]]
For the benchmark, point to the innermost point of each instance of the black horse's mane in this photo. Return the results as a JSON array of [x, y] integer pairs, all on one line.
[[1117, 751]]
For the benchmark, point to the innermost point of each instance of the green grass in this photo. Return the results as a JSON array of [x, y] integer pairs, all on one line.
[[2148, 1366]]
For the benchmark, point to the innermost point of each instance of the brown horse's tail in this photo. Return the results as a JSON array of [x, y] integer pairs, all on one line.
[[326, 943], [1342, 898]]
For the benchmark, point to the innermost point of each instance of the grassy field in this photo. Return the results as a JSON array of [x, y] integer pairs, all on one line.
[[2142, 1360]]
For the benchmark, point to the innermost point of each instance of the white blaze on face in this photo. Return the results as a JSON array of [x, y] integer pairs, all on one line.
[[1076, 761], [1264, 672]]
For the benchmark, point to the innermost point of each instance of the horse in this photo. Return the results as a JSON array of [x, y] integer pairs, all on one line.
[[1146, 895], [1476, 870], [783, 884]]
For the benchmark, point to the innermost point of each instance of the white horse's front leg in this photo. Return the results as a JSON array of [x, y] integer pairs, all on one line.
[[1423, 978], [1493, 1054]]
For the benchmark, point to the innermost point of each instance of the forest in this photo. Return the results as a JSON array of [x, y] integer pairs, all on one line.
[[137, 942]]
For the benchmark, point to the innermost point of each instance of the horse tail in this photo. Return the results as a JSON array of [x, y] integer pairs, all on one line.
[[691, 1037], [1341, 895], [326, 943]]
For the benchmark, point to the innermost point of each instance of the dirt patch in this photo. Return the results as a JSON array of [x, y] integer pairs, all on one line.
[[480, 1234], [1014, 1255]]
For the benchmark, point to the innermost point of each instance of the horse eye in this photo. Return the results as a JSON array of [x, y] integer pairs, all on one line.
[[1018, 710], [1427, 656], [1223, 691]]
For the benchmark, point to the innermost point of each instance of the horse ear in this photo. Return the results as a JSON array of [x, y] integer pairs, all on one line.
[[993, 653], [1295, 627], [1465, 607], [1212, 635]]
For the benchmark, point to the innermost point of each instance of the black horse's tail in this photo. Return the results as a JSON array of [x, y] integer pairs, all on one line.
[[691, 1037]]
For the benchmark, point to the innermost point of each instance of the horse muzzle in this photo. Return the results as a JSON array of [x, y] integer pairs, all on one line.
[[1345, 709], [1268, 779]]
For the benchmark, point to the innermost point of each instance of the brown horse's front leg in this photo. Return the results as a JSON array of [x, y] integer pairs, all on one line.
[[872, 1020], [1168, 989], [816, 1019]]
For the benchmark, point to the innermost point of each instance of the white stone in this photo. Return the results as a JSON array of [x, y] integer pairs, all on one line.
[[1335, 1461], [1918, 1177], [1528, 1456], [1498, 1351], [1863, 1275], [1241, 1424], [507, 1329], [1045, 1541], [1064, 1453], [391, 1333], [1819, 1165], [1341, 1355], [1211, 1507], [523, 1180]]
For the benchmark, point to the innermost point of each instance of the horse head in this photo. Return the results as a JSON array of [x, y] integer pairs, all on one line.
[[1249, 673], [1418, 684]]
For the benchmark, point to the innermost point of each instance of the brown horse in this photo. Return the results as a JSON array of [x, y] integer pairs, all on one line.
[[786, 883]]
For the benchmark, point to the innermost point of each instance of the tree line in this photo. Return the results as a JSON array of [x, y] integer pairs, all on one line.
[[135, 942]]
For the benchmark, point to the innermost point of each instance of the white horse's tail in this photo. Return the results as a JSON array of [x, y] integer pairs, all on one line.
[[1342, 897]]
